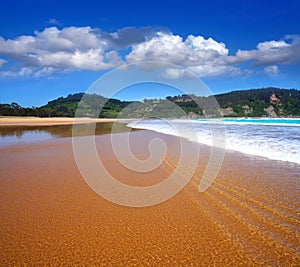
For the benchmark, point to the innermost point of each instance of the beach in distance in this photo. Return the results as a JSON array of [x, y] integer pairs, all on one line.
[[6, 121], [49, 215]]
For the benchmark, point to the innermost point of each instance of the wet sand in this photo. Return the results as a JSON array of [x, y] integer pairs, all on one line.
[[49, 215]]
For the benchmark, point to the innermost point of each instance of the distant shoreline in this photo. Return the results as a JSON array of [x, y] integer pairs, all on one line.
[[36, 121]]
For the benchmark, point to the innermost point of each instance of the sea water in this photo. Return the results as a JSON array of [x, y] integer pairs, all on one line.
[[276, 139]]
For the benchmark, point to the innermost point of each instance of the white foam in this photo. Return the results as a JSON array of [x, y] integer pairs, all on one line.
[[267, 140]]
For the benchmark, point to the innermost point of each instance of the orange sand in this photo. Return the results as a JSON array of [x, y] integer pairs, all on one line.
[[30, 121], [49, 216]]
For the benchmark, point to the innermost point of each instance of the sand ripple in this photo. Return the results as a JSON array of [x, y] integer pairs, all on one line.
[[50, 217]]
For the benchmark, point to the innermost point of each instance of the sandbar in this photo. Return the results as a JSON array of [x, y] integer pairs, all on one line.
[[36, 121]]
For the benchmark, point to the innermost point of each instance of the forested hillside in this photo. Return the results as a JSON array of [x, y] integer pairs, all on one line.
[[271, 102], [258, 102]]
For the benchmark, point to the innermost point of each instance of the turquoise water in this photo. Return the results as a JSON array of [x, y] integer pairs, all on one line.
[[261, 121], [269, 121]]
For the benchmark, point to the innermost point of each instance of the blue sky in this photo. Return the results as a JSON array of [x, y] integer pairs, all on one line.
[[49, 49]]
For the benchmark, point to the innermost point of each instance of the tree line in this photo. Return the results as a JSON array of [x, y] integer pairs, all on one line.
[[251, 103]]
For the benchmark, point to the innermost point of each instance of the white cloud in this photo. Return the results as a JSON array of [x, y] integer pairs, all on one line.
[[271, 70], [54, 22], [7, 73], [21, 45], [70, 48], [204, 57], [84, 48], [272, 52], [44, 72], [163, 47], [2, 62], [200, 44], [214, 70], [175, 73], [25, 71], [208, 70], [172, 48]]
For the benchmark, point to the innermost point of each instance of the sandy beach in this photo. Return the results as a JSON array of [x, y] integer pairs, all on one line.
[[35, 121], [50, 216]]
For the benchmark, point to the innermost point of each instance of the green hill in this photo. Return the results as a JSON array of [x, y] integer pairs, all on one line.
[[89, 106], [262, 102], [271, 102]]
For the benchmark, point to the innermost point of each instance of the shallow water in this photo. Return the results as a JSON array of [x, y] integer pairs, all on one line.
[[15, 135], [276, 139]]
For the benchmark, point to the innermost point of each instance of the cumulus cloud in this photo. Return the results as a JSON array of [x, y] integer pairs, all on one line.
[[204, 57], [72, 48], [56, 50], [273, 52], [209, 58], [69, 48]]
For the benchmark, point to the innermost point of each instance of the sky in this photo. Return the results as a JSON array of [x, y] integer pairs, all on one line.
[[53, 48]]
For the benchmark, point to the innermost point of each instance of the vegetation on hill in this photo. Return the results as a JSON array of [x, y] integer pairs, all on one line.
[[89, 106], [67, 107], [270, 102], [256, 102]]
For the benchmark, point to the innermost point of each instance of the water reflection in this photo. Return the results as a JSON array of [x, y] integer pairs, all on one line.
[[21, 134]]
